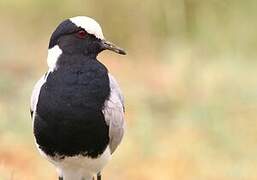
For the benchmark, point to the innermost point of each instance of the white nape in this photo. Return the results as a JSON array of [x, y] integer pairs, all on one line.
[[52, 57], [89, 25]]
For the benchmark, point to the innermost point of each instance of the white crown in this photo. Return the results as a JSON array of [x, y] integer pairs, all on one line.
[[89, 25]]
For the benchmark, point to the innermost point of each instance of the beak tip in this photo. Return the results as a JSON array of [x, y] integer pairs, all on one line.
[[122, 52]]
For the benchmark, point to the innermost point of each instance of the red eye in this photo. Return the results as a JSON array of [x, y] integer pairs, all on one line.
[[81, 34]]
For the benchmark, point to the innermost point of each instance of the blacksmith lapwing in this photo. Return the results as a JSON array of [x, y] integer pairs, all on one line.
[[77, 106]]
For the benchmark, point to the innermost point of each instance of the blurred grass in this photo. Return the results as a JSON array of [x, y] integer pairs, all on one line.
[[190, 82]]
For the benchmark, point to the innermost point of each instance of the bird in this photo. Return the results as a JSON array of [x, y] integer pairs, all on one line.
[[77, 107]]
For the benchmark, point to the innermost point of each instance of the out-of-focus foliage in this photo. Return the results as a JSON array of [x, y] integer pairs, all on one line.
[[190, 82]]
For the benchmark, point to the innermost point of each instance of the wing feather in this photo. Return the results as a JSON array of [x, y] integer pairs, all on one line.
[[35, 94], [114, 114]]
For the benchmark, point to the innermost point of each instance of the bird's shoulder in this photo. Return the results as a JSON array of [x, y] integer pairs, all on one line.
[[36, 91]]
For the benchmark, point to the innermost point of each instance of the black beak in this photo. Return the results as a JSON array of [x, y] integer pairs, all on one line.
[[110, 46]]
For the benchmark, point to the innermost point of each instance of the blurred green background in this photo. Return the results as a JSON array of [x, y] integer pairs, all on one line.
[[189, 79]]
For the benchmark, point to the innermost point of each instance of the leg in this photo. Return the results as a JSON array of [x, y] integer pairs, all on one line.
[[99, 177]]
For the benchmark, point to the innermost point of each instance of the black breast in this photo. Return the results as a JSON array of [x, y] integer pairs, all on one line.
[[69, 118]]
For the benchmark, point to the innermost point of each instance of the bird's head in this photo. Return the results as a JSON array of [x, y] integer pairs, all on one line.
[[79, 35]]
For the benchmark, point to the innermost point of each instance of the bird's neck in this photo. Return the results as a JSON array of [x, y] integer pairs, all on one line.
[[57, 58], [68, 60]]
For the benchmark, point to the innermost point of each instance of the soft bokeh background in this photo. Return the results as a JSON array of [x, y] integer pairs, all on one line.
[[190, 82]]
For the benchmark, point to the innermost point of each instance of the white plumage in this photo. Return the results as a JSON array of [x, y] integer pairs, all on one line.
[[52, 56], [89, 25]]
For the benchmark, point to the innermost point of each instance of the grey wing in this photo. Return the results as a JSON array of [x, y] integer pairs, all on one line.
[[35, 94], [114, 114]]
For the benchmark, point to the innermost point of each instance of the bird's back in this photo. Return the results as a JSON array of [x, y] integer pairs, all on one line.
[[69, 119]]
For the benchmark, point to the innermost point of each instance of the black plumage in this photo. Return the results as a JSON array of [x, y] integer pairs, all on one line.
[[69, 118]]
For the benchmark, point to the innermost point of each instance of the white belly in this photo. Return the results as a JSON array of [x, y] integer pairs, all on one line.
[[80, 167]]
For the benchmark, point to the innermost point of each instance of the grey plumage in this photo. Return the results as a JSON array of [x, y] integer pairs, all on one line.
[[114, 114], [35, 93]]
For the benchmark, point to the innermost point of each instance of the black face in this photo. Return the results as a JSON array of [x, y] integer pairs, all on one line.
[[75, 40], [80, 42]]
